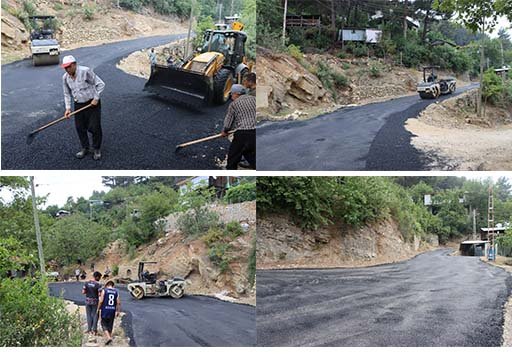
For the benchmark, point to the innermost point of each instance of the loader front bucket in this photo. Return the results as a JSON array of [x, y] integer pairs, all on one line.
[[180, 85]]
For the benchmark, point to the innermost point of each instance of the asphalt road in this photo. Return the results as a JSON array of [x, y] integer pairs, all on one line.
[[187, 322], [370, 137], [431, 300], [139, 130]]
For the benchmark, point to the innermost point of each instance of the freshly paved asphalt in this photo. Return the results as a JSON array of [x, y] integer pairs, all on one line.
[[189, 321], [139, 130], [370, 137], [431, 300]]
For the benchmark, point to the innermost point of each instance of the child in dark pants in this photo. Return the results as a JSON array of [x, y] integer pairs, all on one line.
[[109, 307]]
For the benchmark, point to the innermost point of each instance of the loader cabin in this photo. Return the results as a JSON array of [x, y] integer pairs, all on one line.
[[230, 43]]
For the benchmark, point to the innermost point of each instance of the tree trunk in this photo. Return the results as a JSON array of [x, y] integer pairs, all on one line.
[[425, 24], [482, 63]]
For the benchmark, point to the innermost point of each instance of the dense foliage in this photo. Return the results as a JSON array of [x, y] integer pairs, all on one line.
[[29, 316], [399, 44], [316, 201]]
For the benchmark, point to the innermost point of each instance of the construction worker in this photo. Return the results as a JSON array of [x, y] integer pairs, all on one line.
[[152, 57], [241, 117], [91, 291], [85, 87], [249, 82], [108, 308]]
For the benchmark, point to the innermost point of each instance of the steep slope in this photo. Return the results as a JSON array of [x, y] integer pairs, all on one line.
[[281, 244], [81, 25], [178, 255], [306, 85]]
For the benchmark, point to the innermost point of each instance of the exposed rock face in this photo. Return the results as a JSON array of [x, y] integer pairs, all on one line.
[[284, 83], [281, 244], [178, 256], [14, 33]]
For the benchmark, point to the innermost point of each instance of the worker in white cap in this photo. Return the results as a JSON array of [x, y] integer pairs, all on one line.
[[241, 117], [84, 87]]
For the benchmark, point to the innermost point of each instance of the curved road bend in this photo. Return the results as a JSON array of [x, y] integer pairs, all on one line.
[[431, 300], [369, 137], [139, 130], [186, 322]]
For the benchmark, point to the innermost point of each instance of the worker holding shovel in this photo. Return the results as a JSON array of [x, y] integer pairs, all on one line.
[[85, 87], [241, 117]]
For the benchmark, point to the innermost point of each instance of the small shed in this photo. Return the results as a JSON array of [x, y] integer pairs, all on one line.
[[498, 230], [366, 35], [475, 248]]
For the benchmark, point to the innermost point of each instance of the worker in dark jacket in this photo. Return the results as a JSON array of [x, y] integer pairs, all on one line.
[[241, 117], [91, 291]]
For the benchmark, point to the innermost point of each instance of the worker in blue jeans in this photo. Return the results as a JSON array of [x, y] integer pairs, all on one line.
[[91, 290]]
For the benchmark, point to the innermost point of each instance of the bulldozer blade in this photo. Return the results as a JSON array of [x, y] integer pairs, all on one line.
[[180, 85]]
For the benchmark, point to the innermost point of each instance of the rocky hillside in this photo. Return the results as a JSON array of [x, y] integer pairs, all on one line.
[[81, 24], [281, 244], [190, 258], [298, 86]]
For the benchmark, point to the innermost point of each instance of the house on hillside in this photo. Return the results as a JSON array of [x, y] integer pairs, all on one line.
[[303, 21], [62, 213], [220, 183], [365, 35]]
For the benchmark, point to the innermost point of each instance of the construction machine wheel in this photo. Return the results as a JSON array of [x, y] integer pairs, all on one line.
[[176, 291], [222, 83], [453, 88], [425, 95], [45, 59], [437, 92], [137, 293]]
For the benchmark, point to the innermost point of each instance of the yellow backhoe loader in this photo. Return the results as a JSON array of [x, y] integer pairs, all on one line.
[[207, 75]]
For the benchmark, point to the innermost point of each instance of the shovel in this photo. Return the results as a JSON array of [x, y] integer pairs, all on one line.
[[208, 138], [32, 135]]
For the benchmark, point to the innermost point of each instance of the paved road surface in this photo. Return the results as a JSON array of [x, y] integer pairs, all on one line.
[[369, 137], [189, 321], [431, 300], [140, 131]]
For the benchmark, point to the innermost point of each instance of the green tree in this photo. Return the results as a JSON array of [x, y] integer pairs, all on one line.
[[478, 16], [74, 237]]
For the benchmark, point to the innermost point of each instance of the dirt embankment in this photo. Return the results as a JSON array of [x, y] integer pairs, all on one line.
[[120, 339], [281, 244], [179, 256], [455, 138], [107, 23], [138, 63], [290, 88]]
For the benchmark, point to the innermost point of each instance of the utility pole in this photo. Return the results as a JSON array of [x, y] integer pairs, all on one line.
[[405, 19], [491, 256], [502, 57], [232, 6], [187, 45], [474, 224], [284, 21], [220, 12], [37, 227]]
